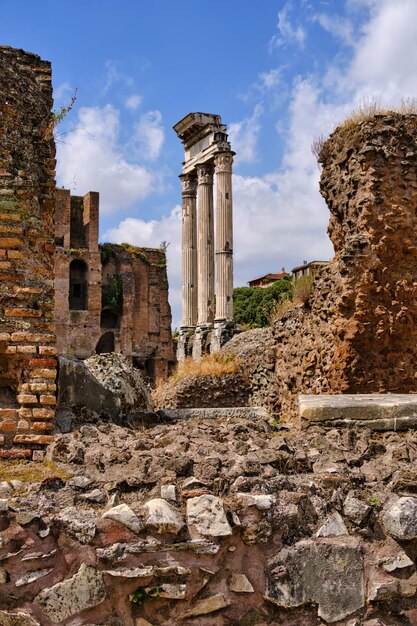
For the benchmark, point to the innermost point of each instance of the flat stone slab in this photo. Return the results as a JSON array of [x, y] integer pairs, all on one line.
[[377, 411], [248, 412]]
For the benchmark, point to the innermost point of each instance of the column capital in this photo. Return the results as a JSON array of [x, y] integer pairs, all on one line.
[[205, 173], [188, 185], [224, 161]]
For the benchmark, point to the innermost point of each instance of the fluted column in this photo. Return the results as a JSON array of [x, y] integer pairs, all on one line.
[[224, 237], [205, 238], [189, 250]]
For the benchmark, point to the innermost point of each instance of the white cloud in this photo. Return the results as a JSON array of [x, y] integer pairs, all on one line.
[[133, 102], [149, 135], [386, 55], [91, 158], [269, 80], [280, 218], [243, 135], [113, 76], [341, 28], [288, 32]]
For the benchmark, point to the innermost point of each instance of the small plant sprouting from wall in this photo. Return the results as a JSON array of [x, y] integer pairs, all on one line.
[[58, 116], [135, 252], [144, 594], [112, 295], [106, 251], [301, 292], [302, 289]]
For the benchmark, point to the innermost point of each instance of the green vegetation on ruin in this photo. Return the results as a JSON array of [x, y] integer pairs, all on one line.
[[142, 595], [254, 305], [112, 293], [135, 252]]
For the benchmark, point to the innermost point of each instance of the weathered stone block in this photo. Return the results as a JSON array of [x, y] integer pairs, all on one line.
[[162, 517], [329, 573], [206, 516], [17, 618], [375, 411], [82, 591], [400, 520]]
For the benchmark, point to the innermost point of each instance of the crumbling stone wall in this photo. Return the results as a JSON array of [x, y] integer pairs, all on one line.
[[357, 332], [123, 305], [76, 239], [27, 331]]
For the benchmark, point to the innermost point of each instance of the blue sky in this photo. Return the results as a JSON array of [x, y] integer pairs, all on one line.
[[280, 73]]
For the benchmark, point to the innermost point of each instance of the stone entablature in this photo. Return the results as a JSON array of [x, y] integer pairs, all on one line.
[[27, 329], [109, 297], [207, 252]]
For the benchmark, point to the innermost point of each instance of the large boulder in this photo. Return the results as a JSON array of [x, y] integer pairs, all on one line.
[[115, 372], [105, 384]]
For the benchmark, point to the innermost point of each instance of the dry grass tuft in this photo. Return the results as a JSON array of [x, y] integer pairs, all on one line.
[[302, 290], [280, 309], [369, 108], [364, 112], [216, 365], [317, 146], [300, 295], [30, 471]]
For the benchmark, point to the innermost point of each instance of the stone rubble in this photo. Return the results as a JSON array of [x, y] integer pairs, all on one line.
[[267, 527]]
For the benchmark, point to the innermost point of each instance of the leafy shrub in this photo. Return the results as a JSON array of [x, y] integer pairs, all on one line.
[[112, 293], [253, 305]]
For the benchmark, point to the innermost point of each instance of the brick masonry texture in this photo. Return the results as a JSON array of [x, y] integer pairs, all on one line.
[[123, 298], [27, 184]]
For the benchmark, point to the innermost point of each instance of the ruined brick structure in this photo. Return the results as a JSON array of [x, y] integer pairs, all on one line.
[[109, 297], [27, 331], [357, 333]]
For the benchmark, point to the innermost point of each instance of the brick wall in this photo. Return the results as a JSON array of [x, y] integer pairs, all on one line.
[[142, 328], [78, 331], [27, 330]]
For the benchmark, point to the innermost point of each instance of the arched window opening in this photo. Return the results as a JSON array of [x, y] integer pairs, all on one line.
[[105, 343], [109, 319], [78, 286]]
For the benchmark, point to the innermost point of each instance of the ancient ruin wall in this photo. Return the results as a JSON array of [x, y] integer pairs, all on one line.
[[78, 330], [145, 323], [358, 330], [27, 331]]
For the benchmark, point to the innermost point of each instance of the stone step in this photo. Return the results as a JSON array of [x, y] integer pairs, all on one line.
[[376, 411], [246, 412]]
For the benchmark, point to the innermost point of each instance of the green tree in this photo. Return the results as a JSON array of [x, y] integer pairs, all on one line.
[[253, 305]]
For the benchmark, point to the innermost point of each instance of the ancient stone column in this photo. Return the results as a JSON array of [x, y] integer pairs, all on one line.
[[189, 251], [205, 236], [224, 237]]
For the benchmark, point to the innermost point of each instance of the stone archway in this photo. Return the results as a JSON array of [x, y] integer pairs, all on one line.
[[105, 343]]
